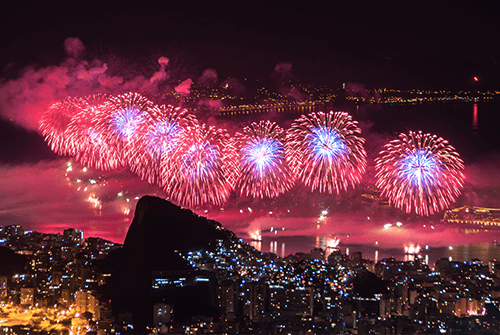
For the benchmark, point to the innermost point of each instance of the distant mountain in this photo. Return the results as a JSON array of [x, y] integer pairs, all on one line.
[[158, 230]]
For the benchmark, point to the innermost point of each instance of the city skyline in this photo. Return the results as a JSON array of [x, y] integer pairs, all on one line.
[[77, 284]]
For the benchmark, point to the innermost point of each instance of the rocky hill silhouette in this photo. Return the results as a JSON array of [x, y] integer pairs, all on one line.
[[158, 232]]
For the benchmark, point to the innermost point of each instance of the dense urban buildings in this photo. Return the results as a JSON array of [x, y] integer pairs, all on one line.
[[64, 283]]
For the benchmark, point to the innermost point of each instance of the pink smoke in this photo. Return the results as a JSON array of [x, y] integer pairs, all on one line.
[[359, 90], [282, 71], [73, 47], [161, 74], [25, 98], [184, 87], [208, 77], [283, 67]]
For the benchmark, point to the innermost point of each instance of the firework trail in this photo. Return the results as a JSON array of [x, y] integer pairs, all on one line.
[[420, 172], [327, 151], [55, 121], [86, 141], [123, 124], [265, 170], [203, 170], [161, 139]]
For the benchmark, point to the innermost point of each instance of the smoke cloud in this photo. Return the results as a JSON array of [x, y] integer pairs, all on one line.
[[283, 71], [482, 184], [213, 104], [73, 47], [359, 90], [283, 75], [184, 87], [234, 87], [208, 77], [25, 98], [161, 74]]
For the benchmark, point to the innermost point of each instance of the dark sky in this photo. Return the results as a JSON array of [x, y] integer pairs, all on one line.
[[354, 41]]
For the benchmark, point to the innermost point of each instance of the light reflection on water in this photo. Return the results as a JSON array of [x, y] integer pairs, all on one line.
[[283, 246], [474, 117], [484, 252]]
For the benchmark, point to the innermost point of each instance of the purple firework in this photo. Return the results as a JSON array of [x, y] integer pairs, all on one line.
[[160, 141], [265, 170], [420, 172], [327, 151]]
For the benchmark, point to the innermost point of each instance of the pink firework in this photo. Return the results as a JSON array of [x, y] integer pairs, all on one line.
[[203, 169], [265, 171], [87, 142], [160, 141], [420, 172], [327, 151], [123, 124], [54, 123]]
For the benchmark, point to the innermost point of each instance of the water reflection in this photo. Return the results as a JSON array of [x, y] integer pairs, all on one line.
[[256, 244], [273, 248], [282, 246], [320, 242], [411, 252], [474, 117], [484, 252], [256, 239]]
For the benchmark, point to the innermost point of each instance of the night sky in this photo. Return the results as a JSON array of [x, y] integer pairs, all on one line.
[[437, 45], [344, 41]]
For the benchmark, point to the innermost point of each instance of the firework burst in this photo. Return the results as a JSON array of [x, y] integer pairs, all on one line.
[[203, 169], [55, 121], [163, 135], [265, 170], [420, 172], [123, 124], [327, 151], [87, 142]]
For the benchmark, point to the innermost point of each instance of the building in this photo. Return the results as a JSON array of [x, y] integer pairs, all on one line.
[[4, 290], [474, 216], [192, 293], [85, 301], [73, 235], [226, 297], [27, 296], [162, 314]]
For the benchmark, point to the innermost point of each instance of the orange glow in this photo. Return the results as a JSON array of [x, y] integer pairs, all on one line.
[[412, 249], [126, 210], [255, 235]]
